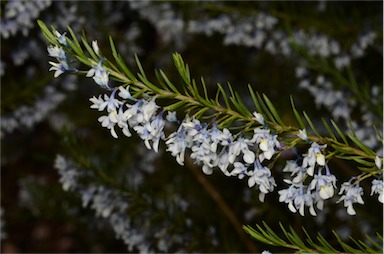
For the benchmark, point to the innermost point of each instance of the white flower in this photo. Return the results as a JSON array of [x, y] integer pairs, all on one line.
[[61, 38], [171, 117], [99, 103], [303, 135], [241, 146], [125, 94], [100, 75], [324, 184], [377, 187], [268, 143], [261, 177], [151, 131], [259, 118], [57, 52], [176, 143], [59, 68], [239, 170], [378, 162], [352, 194], [288, 196], [314, 156], [96, 47]]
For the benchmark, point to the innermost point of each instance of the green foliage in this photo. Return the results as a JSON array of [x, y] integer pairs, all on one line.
[[294, 242]]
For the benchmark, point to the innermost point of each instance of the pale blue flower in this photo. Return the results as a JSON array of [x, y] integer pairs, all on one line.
[[95, 47], [268, 143], [379, 162], [57, 52], [59, 68], [99, 103], [240, 170], [377, 188], [288, 196], [171, 117], [352, 194], [314, 156], [303, 135], [324, 184], [152, 132], [262, 178], [241, 146], [100, 75], [177, 143], [61, 38], [259, 118]]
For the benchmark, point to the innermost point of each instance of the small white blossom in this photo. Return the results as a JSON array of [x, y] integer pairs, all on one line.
[[125, 94], [241, 146], [303, 135], [95, 47], [259, 118], [324, 184], [59, 68], [262, 178], [377, 188], [267, 142], [313, 156], [57, 52], [378, 162], [352, 194], [100, 75], [61, 38]]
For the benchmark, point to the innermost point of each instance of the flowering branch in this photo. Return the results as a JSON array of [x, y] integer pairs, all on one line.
[[236, 141]]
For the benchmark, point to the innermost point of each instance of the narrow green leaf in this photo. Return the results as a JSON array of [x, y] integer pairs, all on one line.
[[258, 236], [309, 121], [339, 132], [224, 96], [326, 125], [140, 67], [73, 35], [174, 106], [204, 88], [266, 235], [324, 242], [272, 109], [47, 34], [345, 246], [244, 109], [169, 83], [296, 239], [120, 61], [160, 79], [267, 115], [149, 84], [182, 68], [364, 162], [255, 100], [313, 244], [297, 115], [360, 144], [79, 52], [200, 112], [89, 49], [273, 234], [374, 243]]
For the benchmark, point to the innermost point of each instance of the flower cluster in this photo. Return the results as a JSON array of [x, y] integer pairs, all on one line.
[[209, 147], [320, 188]]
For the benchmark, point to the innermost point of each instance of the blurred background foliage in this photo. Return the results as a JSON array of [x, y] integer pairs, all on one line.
[[42, 117]]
